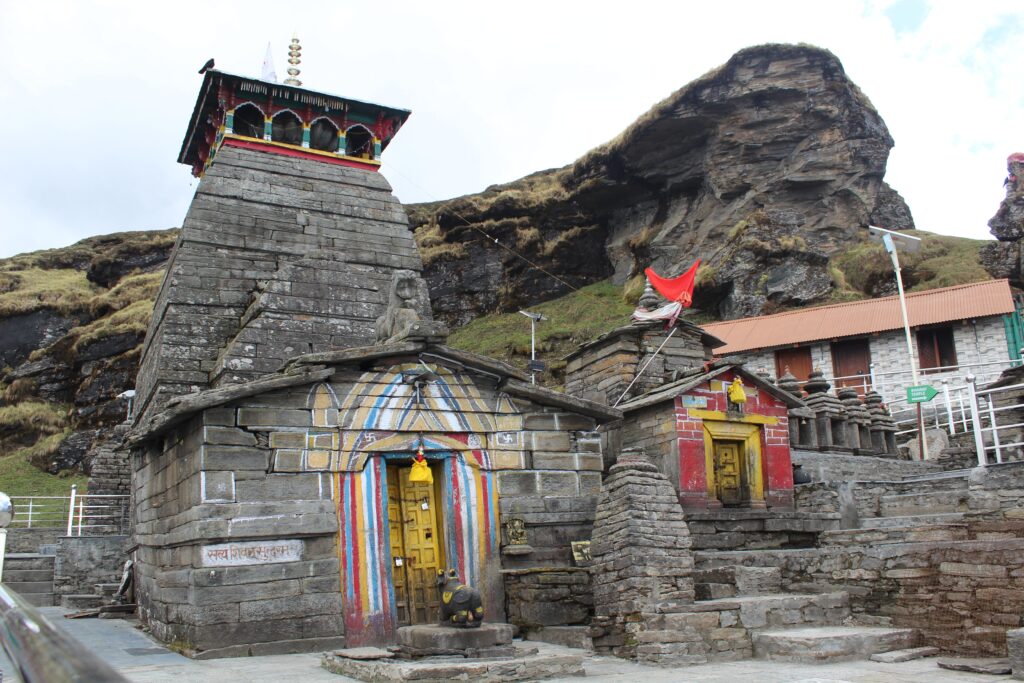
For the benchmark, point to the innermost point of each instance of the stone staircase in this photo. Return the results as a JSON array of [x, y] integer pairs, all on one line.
[[104, 595], [30, 575], [741, 612]]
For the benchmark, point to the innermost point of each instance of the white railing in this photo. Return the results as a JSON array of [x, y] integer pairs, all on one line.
[[78, 514], [97, 514], [984, 415], [34, 512]]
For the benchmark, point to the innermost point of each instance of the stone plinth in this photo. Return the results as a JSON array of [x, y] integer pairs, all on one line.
[[526, 667], [436, 637]]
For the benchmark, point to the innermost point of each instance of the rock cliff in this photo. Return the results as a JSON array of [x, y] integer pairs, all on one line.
[[1004, 258], [763, 168]]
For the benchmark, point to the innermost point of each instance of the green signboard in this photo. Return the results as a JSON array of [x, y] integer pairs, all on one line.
[[921, 394]]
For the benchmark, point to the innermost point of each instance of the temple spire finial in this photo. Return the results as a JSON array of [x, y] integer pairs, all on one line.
[[294, 59]]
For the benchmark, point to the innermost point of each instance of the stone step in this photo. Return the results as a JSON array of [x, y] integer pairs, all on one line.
[[910, 520], [81, 601], [893, 535], [939, 476], [19, 575], [783, 609], [29, 587], [28, 561], [106, 589], [831, 643], [38, 599], [568, 636], [716, 582], [926, 502]]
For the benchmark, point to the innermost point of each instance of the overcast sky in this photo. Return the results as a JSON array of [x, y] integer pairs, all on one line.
[[96, 95]]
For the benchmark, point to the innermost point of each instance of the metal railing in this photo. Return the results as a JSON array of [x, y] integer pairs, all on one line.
[[96, 514], [79, 513], [43, 654], [985, 414], [44, 512]]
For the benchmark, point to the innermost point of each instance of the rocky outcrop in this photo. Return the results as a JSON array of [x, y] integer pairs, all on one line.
[[71, 324], [1004, 258], [778, 136]]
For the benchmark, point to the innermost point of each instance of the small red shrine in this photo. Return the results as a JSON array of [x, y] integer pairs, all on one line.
[[723, 436]]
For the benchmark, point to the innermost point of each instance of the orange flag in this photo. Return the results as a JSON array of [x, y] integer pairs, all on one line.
[[675, 289]]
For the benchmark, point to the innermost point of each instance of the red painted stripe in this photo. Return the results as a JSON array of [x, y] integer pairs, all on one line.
[[288, 152]]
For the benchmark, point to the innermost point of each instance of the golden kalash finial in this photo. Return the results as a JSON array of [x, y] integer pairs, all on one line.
[[294, 58]]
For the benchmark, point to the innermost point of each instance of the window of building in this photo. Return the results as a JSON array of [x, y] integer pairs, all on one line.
[[359, 142], [248, 121], [287, 128], [935, 348], [323, 135]]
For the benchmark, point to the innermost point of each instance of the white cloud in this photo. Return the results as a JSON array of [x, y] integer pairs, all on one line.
[[97, 95]]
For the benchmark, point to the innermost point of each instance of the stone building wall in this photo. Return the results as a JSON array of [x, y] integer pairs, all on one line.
[[207, 485], [238, 509], [981, 342]]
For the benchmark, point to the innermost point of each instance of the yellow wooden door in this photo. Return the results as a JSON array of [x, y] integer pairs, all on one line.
[[415, 547], [729, 472], [399, 577]]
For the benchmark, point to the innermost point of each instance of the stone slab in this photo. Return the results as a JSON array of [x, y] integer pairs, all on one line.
[[577, 637], [432, 636], [897, 656], [532, 668], [830, 643], [995, 667], [365, 653]]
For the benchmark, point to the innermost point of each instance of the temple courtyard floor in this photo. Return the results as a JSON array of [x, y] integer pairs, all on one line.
[[142, 660]]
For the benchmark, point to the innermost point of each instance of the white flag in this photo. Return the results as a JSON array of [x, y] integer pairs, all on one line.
[[269, 73]]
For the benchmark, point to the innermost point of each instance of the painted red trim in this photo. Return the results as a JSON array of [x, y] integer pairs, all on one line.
[[288, 152]]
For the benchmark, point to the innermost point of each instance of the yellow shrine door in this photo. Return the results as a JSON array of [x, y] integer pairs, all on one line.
[[413, 517], [730, 482]]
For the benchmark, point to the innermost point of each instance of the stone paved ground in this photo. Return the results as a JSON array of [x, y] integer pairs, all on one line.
[[142, 660]]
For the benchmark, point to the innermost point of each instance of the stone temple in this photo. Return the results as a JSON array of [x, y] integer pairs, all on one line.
[[292, 375]]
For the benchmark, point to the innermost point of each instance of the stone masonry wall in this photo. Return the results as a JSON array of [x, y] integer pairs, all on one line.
[[84, 561], [299, 250], [840, 467], [962, 595], [208, 483], [554, 493]]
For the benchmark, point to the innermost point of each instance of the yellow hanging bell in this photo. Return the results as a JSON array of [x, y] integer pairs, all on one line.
[[736, 393], [420, 469]]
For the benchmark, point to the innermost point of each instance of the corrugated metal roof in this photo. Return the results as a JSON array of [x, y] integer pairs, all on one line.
[[857, 318]]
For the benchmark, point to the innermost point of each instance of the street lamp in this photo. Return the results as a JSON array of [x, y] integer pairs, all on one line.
[[889, 238], [534, 319]]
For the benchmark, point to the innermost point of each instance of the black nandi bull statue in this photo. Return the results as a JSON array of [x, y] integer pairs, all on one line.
[[461, 606]]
